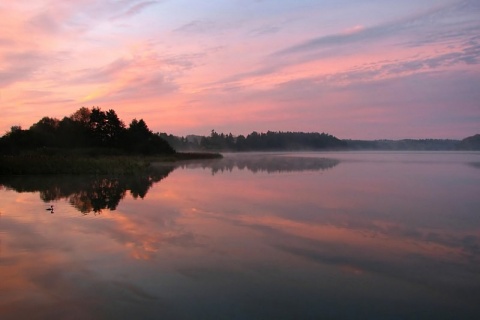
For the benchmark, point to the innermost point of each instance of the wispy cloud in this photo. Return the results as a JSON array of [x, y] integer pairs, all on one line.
[[135, 9], [366, 34], [142, 87], [469, 55], [20, 66], [102, 74], [265, 30], [197, 26], [423, 30]]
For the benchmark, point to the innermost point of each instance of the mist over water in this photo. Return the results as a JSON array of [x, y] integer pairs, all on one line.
[[252, 236]]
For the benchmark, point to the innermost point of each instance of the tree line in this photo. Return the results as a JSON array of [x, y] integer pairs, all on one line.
[[269, 141], [92, 129], [469, 143], [103, 132], [296, 141]]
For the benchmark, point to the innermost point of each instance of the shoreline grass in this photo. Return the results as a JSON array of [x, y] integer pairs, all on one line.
[[100, 164]]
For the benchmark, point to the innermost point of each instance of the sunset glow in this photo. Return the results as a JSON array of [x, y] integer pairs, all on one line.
[[354, 69]]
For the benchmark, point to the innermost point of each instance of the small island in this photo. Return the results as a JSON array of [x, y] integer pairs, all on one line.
[[90, 141]]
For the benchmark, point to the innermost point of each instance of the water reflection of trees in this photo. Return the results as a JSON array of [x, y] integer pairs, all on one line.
[[87, 193], [266, 163], [95, 193], [475, 164]]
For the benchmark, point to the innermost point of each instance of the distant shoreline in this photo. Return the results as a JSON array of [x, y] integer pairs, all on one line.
[[301, 141]]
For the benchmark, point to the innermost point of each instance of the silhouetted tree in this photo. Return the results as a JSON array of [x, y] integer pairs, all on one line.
[[114, 129], [97, 122], [16, 140], [271, 141], [45, 132], [81, 116], [86, 128], [470, 143], [240, 143], [140, 139], [72, 134]]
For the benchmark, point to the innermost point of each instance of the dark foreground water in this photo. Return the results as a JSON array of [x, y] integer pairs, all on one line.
[[284, 236]]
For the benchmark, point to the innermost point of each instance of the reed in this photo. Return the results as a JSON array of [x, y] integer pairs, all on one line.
[[105, 164]]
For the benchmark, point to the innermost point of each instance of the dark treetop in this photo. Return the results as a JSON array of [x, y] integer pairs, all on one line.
[[86, 129]]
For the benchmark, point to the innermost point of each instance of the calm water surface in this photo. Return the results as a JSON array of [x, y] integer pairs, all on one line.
[[261, 236]]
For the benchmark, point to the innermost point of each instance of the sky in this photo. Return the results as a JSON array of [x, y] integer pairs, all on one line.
[[356, 69]]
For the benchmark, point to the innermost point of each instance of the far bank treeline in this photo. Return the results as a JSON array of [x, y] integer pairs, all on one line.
[[297, 141], [269, 141]]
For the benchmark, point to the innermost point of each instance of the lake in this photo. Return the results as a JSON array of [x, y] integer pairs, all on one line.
[[352, 235]]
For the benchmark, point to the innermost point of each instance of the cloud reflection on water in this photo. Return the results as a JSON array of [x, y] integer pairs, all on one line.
[[385, 239]]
